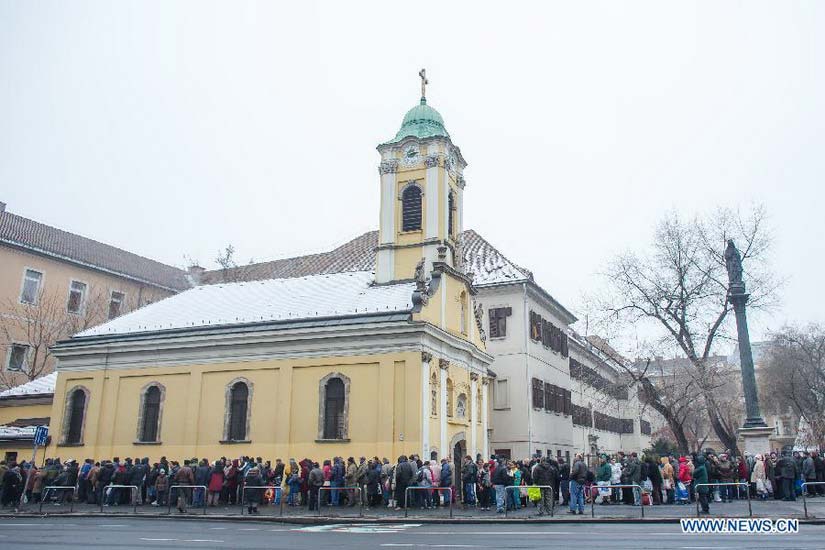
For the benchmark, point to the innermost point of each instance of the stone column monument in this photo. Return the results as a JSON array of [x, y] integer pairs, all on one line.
[[755, 431]]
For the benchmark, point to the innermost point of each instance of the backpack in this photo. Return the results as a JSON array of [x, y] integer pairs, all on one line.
[[419, 477]]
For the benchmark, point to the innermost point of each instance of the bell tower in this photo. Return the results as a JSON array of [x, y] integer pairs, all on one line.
[[422, 195]]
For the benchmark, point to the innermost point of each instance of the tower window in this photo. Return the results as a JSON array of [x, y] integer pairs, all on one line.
[[411, 208], [74, 416], [237, 411], [451, 214]]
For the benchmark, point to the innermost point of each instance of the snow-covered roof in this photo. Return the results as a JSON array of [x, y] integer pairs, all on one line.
[[482, 260], [13, 432], [39, 386], [487, 265], [330, 295]]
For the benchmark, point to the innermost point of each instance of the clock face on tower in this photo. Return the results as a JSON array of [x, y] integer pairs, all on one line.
[[410, 156]]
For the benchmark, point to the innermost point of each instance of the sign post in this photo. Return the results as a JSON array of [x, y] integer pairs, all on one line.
[[41, 434]]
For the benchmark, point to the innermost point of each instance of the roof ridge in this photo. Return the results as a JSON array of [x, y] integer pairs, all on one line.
[[34, 228]]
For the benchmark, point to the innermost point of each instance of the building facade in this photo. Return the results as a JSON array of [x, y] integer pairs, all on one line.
[[353, 362], [554, 392], [54, 283]]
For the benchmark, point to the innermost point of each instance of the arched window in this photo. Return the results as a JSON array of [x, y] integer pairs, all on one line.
[[461, 406], [237, 413], [449, 397], [238, 410], [149, 414], [333, 417], [411, 208], [451, 214], [334, 409], [75, 416]]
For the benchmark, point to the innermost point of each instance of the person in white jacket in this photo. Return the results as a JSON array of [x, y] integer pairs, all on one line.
[[616, 479]]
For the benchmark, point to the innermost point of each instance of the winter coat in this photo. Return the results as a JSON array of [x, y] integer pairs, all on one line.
[[758, 471], [615, 473], [685, 475], [787, 468], [544, 474], [446, 477], [351, 477], [808, 469], [725, 470], [667, 469], [578, 472], [502, 476], [252, 494], [162, 483], [404, 473], [700, 474], [216, 480], [315, 478], [604, 473], [469, 473]]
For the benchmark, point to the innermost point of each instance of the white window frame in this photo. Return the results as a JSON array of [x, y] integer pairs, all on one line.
[[111, 299], [10, 353], [84, 295], [42, 273]]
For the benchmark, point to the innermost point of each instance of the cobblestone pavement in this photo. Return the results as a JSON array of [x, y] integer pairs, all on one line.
[[816, 509]]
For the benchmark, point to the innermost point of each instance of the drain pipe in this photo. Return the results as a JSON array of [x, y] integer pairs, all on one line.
[[527, 371]]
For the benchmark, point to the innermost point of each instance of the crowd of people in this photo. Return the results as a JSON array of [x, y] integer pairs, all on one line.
[[497, 483]]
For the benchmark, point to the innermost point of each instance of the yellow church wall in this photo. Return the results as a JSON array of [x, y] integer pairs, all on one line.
[[13, 412], [384, 411], [405, 261]]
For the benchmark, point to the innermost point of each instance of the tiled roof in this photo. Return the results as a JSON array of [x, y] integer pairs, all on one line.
[[313, 297], [356, 255], [44, 239], [39, 386], [481, 259], [487, 265]]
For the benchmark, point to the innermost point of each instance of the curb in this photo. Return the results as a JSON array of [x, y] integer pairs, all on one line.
[[322, 520]]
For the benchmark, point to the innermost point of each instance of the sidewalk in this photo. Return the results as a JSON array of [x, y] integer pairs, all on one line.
[[612, 512]]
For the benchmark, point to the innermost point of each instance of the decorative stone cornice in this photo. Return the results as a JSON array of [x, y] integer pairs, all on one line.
[[388, 167], [444, 364], [426, 356], [485, 380], [474, 376], [431, 161]]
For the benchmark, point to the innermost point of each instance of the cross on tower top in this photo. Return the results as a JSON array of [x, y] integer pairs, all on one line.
[[423, 74]]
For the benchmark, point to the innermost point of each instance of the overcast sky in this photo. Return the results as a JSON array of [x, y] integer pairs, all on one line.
[[175, 128]]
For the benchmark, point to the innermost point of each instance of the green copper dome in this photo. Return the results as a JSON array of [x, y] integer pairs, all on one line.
[[422, 121]]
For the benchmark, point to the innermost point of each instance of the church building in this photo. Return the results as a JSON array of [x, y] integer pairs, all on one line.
[[384, 360]]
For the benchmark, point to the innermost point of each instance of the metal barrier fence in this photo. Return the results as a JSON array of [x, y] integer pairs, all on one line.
[[528, 487], [805, 494], [628, 486], [436, 489], [266, 488], [360, 490], [719, 484], [57, 488], [172, 490], [108, 488]]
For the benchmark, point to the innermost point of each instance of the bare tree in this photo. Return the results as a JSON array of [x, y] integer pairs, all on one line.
[[795, 373], [231, 271], [41, 324], [674, 297]]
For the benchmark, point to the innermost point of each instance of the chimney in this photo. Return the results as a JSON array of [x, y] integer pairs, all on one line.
[[194, 274]]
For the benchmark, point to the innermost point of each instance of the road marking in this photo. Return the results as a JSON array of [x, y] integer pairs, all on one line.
[[157, 540], [113, 525], [250, 529], [216, 528], [201, 540]]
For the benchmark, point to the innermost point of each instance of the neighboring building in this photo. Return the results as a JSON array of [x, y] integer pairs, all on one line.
[[22, 409], [54, 283], [554, 392], [346, 363]]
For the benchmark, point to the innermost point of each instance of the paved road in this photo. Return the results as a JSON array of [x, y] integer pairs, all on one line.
[[127, 533]]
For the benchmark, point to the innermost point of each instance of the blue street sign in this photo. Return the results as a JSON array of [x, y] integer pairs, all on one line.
[[40, 435]]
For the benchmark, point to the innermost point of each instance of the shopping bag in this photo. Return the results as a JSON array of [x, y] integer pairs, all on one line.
[[646, 499], [681, 491], [534, 494]]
